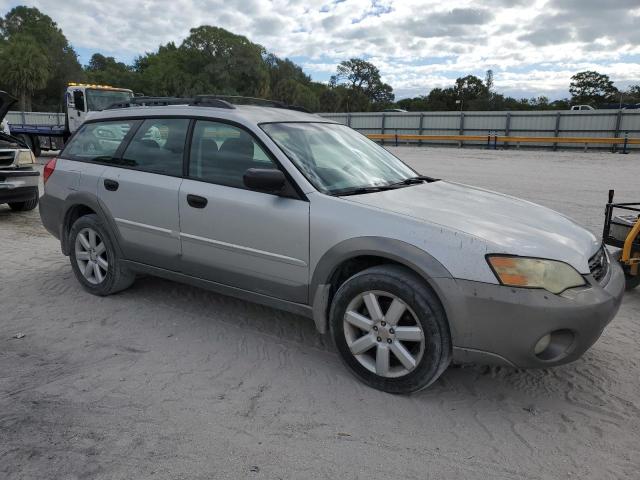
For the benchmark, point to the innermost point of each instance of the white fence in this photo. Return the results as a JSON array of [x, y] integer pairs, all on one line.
[[557, 124], [589, 124]]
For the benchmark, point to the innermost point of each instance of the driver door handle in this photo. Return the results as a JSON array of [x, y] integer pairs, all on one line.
[[111, 185], [196, 201]]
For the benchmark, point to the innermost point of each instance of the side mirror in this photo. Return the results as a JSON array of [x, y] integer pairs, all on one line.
[[268, 180], [78, 100]]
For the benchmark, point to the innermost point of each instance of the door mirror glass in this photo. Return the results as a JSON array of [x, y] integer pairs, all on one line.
[[269, 180], [78, 100]]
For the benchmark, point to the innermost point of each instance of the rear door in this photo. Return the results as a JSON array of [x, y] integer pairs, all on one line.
[[140, 192], [92, 148], [231, 235]]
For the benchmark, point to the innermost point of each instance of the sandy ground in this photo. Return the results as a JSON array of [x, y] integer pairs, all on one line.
[[165, 381]]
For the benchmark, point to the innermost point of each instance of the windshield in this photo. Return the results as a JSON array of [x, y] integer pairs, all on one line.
[[337, 159], [101, 99]]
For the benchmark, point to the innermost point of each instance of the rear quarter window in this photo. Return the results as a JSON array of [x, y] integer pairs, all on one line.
[[97, 142]]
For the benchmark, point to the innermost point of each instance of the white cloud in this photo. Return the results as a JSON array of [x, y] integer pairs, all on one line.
[[532, 46]]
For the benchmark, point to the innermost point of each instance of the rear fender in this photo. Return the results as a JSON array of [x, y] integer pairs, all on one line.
[[91, 201]]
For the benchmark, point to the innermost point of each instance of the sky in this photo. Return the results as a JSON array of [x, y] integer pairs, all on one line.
[[532, 46]]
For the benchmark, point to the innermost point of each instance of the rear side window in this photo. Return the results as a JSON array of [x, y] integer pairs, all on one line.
[[157, 146], [222, 153], [97, 142]]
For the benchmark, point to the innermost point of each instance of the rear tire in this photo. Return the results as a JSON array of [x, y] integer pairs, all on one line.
[[36, 149], [95, 260], [405, 344], [33, 142], [26, 205]]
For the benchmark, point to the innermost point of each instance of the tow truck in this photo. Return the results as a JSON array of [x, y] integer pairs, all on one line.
[[79, 100]]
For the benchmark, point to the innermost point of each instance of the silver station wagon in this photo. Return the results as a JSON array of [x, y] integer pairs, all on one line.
[[273, 205]]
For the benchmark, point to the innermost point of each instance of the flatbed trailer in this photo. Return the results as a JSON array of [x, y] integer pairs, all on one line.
[[40, 137]]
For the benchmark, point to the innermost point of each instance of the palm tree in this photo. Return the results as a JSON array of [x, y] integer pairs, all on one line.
[[25, 68]]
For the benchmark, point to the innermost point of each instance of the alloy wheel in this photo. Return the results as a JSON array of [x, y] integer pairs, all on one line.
[[91, 256], [383, 334]]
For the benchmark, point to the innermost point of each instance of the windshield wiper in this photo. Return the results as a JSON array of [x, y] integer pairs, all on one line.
[[360, 190], [415, 180], [380, 188]]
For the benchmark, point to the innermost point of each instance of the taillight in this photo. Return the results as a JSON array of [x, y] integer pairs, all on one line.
[[48, 169]]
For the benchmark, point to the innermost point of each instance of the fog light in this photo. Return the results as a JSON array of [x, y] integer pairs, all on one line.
[[542, 344]]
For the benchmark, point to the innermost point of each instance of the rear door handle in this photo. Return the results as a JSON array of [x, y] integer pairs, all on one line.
[[196, 201], [111, 185]]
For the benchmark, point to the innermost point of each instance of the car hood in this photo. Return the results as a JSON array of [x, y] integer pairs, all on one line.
[[6, 101], [507, 224]]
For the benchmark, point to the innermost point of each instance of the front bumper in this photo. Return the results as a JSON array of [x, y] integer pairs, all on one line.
[[18, 185], [494, 324]]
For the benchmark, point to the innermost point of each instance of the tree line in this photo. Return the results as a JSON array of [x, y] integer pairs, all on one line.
[[38, 62]]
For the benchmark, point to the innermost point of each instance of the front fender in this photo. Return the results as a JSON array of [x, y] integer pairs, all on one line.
[[417, 260]]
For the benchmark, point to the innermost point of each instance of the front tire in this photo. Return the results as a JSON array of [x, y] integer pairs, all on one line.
[[94, 258], [390, 329]]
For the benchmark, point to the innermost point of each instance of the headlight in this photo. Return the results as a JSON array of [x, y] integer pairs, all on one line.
[[25, 157], [551, 275]]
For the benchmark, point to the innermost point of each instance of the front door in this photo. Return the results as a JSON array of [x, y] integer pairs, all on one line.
[[237, 237], [76, 108]]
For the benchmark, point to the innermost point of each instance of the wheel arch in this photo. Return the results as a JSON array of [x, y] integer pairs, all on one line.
[[354, 255], [78, 205]]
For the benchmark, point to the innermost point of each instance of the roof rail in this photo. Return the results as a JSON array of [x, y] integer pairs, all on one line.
[[239, 100], [211, 101], [150, 102], [207, 100], [217, 101]]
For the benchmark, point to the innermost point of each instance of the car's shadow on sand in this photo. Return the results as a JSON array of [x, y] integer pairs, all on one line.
[[204, 309]]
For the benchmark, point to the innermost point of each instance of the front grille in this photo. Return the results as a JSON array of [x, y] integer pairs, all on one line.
[[599, 264], [6, 157]]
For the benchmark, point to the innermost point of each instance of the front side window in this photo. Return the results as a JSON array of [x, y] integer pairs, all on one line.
[[101, 99], [97, 142], [336, 159], [158, 146], [222, 153]]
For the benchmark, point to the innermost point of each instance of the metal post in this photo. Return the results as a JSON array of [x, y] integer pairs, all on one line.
[[557, 130], [626, 142], [349, 119], [616, 133], [507, 128], [495, 139], [396, 137], [461, 126], [421, 128], [607, 216], [488, 139]]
